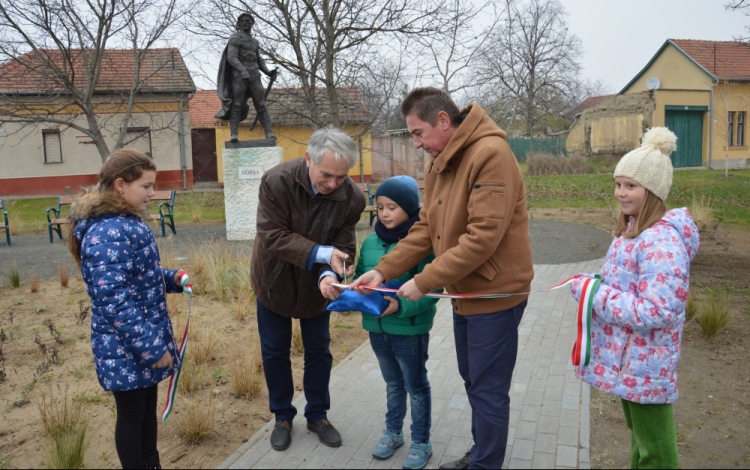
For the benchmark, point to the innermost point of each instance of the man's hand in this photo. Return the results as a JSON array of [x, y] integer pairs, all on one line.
[[392, 305], [329, 292], [337, 262], [410, 291], [370, 278], [165, 361]]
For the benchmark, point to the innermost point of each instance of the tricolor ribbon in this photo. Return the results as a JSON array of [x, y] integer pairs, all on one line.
[[581, 354], [187, 288], [582, 347]]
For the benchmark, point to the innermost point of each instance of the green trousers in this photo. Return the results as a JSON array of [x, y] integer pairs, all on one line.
[[653, 438]]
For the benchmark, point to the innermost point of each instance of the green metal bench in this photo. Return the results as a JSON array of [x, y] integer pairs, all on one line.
[[5, 223], [165, 216]]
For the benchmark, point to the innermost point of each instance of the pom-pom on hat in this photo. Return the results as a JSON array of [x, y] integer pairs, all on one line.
[[649, 165], [403, 190]]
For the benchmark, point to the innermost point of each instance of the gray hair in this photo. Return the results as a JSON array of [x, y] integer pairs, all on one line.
[[333, 140]]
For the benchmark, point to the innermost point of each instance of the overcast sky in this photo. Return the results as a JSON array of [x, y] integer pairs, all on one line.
[[620, 36]]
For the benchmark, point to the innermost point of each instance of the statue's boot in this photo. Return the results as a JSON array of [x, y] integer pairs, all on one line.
[[265, 120], [234, 123]]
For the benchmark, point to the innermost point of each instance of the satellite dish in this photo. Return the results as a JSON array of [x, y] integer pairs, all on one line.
[[653, 83]]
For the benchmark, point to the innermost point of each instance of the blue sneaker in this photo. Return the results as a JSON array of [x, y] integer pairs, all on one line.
[[387, 444], [418, 455]]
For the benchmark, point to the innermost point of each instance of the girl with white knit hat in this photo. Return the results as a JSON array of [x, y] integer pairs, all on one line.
[[639, 307]]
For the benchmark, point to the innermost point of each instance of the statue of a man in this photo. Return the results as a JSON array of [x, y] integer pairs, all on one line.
[[239, 79]]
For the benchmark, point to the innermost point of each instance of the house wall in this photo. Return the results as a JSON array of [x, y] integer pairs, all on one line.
[[293, 141], [675, 71], [23, 170], [730, 97], [396, 155]]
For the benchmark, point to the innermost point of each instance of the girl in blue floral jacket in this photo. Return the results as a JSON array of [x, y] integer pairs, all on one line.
[[131, 335]]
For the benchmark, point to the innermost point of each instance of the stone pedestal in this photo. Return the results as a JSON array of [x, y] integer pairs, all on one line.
[[243, 169]]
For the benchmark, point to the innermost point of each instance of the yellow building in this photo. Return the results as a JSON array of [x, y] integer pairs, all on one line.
[[698, 89], [291, 128]]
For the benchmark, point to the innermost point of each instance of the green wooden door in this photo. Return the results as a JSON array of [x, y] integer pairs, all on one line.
[[688, 126]]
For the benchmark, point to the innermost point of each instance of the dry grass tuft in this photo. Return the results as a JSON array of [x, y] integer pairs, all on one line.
[[63, 273], [243, 305], [222, 272], [14, 275], [196, 419], [64, 420], [256, 355], [297, 344], [691, 308], [247, 380], [204, 343], [192, 377], [35, 283], [714, 312], [546, 164], [14, 218], [167, 254], [703, 212]]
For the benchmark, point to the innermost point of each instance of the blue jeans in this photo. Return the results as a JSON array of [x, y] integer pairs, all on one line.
[[275, 344], [402, 362], [486, 348]]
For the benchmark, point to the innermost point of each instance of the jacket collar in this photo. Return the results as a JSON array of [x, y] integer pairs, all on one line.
[[91, 202], [302, 177]]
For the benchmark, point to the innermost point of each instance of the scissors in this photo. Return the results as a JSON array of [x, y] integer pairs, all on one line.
[[345, 280]]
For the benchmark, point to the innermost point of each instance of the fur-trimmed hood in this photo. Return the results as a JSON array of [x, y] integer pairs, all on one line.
[[90, 204]]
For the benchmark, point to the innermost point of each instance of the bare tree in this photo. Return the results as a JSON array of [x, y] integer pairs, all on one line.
[[62, 44], [452, 51], [322, 44], [744, 7], [533, 59]]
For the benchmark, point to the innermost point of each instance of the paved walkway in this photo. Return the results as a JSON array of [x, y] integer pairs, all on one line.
[[549, 418]]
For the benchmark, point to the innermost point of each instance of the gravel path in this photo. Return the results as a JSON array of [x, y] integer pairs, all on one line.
[[553, 242]]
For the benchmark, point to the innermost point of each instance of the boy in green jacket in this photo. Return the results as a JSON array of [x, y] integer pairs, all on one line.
[[400, 336]]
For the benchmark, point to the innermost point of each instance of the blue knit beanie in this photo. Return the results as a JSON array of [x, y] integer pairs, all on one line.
[[403, 190]]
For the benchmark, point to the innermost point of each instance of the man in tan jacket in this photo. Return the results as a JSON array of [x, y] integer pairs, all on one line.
[[474, 218]]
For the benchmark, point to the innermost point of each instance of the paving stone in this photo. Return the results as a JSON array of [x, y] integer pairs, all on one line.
[[523, 449], [566, 456], [518, 463], [526, 430], [341, 456], [543, 460], [458, 446], [567, 436], [545, 443]]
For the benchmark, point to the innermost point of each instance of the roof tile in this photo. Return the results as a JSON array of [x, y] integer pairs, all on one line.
[[722, 59]]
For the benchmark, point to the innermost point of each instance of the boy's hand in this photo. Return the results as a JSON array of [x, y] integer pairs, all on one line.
[[370, 278], [329, 292], [410, 291], [392, 305]]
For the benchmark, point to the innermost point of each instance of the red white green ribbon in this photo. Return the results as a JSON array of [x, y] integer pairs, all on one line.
[[581, 354], [581, 350], [187, 288]]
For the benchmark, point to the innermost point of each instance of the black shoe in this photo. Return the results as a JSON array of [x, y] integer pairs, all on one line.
[[281, 437], [327, 434], [461, 463]]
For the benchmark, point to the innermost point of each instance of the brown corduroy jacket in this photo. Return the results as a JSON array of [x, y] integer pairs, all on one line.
[[474, 218]]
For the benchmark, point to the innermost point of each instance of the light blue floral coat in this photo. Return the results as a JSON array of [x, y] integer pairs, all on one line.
[[639, 311], [130, 329]]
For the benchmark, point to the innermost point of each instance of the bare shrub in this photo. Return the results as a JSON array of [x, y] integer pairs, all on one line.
[[196, 420], [546, 164], [35, 283], [192, 377], [714, 312], [63, 273]]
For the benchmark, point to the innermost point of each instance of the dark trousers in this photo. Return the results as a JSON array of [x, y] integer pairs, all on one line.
[[275, 344], [135, 430], [486, 347]]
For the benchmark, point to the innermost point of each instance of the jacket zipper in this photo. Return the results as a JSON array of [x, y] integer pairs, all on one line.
[[274, 275]]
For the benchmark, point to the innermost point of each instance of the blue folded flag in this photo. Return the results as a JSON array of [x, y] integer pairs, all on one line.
[[371, 304]]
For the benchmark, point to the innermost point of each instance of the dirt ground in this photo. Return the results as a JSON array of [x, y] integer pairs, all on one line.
[[713, 411], [22, 319]]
